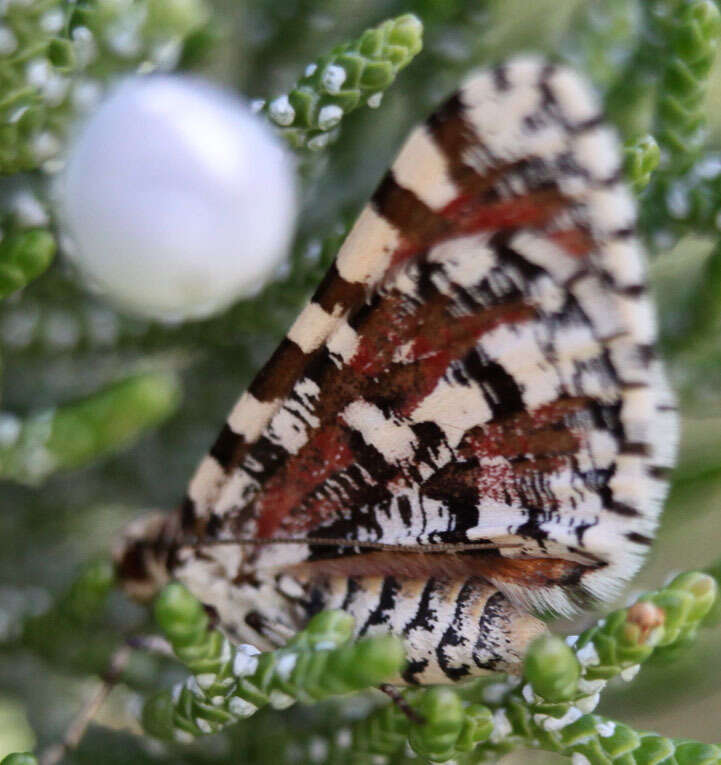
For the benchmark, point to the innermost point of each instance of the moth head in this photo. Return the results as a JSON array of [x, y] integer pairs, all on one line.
[[142, 555]]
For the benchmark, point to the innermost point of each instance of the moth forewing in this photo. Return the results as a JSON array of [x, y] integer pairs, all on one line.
[[476, 368]]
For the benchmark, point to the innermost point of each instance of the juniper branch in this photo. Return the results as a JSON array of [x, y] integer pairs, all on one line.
[[56, 57], [550, 706], [352, 74], [230, 682], [690, 32]]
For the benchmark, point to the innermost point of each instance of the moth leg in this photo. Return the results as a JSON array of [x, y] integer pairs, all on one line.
[[398, 700], [274, 632]]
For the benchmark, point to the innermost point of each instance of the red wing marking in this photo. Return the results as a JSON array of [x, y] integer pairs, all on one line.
[[327, 451], [326, 454], [543, 433], [468, 213], [573, 240], [539, 444]]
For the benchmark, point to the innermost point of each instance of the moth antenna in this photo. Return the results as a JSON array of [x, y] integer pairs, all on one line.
[[430, 548]]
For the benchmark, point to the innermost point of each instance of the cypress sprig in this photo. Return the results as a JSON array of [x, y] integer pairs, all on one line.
[[595, 740], [564, 682], [691, 30], [351, 75], [56, 57], [446, 728], [562, 686], [658, 621], [550, 707], [75, 433], [232, 682]]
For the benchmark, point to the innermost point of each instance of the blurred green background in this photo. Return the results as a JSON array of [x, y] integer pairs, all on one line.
[[60, 344]]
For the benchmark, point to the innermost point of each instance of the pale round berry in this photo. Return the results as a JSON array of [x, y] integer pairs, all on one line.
[[179, 200]]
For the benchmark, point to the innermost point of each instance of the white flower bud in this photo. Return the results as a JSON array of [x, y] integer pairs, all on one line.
[[329, 116], [178, 198], [281, 111], [333, 78]]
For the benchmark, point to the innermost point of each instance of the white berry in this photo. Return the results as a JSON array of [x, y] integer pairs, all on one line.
[[179, 200]]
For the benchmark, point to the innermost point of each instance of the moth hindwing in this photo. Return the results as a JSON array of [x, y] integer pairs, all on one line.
[[468, 421]]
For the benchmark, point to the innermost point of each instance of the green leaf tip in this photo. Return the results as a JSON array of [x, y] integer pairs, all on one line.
[[700, 25], [406, 31], [180, 615], [20, 758], [335, 627], [89, 591], [702, 587], [24, 255], [695, 753], [552, 668], [477, 727], [157, 716], [369, 661], [642, 157], [442, 712]]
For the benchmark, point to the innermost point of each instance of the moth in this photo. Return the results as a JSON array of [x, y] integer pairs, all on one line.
[[468, 423]]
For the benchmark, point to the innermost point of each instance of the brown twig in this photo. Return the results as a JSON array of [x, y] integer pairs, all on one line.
[[75, 732]]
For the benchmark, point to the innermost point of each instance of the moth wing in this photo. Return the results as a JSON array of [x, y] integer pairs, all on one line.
[[477, 366]]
